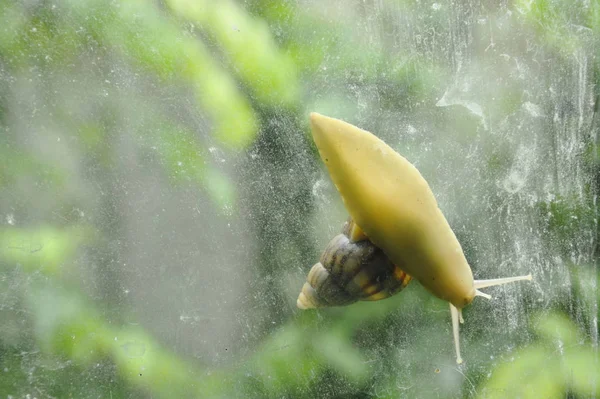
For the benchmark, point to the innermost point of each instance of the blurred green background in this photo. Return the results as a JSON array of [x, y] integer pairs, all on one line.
[[161, 201]]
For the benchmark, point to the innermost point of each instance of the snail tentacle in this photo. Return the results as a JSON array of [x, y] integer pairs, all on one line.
[[499, 281], [454, 312], [482, 294]]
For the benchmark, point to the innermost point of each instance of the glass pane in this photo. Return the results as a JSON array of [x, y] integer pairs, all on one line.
[[162, 198]]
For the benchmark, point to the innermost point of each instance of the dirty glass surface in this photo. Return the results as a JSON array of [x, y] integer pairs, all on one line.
[[162, 200]]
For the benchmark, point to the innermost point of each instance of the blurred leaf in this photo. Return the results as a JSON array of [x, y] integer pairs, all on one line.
[[221, 190], [567, 217], [532, 369], [248, 45], [32, 37], [182, 155], [556, 20], [542, 371], [337, 352], [594, 17], [558, 329], [66, 325], [185, 160], [284, 364], [16, 165], [581, 370], [158, 43], [44, 248], [12, 20], [62, 324]]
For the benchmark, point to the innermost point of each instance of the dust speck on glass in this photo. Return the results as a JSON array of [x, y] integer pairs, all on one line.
[[162, 198]]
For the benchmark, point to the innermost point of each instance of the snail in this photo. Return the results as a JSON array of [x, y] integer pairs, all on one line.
[[392, 210], [351, 269]]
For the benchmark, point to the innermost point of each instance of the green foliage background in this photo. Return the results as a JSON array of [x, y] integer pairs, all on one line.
[[496, 102]]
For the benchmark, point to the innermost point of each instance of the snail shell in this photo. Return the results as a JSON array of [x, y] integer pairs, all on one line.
[[351, 269]]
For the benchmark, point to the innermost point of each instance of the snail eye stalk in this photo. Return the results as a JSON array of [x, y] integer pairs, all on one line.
[[500, 281]]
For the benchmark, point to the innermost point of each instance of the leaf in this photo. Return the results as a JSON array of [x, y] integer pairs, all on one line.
[[221, 190], [581, 370], [42, 248], [184, 158], [283, 364], [159, 45], [249, 47], [336, 350], [533, 370], [558, 329]]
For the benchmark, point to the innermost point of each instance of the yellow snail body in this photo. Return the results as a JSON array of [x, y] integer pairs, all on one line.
[[351, 269], [393, 205]]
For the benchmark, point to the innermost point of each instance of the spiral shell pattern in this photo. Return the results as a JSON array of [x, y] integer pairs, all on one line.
[[351, 271]]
